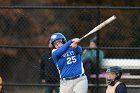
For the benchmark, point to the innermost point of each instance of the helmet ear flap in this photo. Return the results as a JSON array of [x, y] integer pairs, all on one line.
[[118, 76]]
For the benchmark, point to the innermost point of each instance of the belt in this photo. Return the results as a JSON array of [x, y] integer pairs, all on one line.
[[73, 77]]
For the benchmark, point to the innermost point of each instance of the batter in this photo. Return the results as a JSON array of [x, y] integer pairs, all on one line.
[[67, 58]]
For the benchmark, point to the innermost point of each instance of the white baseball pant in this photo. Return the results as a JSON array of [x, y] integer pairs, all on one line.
[[79, 85]]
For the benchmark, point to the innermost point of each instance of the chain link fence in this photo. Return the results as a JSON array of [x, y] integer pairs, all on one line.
[[25, 32]]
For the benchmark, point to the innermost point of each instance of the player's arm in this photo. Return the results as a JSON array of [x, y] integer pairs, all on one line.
[[77, 49], [60, 51], [74, 43]]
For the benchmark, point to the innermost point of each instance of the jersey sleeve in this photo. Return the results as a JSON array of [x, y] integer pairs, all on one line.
[[56, 53], [121, 88]]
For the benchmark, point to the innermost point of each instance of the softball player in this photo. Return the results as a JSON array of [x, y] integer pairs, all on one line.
[[66, 56], [113, 80]]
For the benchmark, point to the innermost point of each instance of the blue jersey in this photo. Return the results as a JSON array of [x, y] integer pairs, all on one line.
[[68, 60]]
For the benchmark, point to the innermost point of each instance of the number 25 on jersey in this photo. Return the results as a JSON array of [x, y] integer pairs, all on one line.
[[71, 59]]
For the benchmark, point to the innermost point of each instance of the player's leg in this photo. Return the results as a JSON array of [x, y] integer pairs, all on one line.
[[81, 85], [66, 86]]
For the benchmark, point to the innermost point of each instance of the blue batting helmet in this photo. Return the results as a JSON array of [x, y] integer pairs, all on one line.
[[57, 36]]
